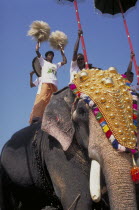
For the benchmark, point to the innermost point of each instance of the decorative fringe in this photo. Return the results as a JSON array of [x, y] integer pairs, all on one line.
[[135, 172], [39, 30], [100, 118], [58, 38]]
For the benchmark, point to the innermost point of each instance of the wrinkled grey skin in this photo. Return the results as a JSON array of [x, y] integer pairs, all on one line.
[[96, 150], [66, 122], [22, 184]]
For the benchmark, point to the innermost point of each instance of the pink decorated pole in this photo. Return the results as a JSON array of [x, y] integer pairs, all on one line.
[[82, 38], [129, 41]]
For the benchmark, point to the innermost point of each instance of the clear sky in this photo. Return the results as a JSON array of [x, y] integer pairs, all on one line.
[[105, 39]]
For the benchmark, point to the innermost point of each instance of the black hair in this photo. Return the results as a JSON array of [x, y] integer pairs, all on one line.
[[51, 52], [80, 54], [129, 72]]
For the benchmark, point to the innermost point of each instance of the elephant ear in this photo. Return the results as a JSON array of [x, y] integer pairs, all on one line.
[[57, 117]]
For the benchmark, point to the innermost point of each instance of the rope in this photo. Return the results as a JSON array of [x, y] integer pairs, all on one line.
[[76, 199], [44, 178], [44, 181]]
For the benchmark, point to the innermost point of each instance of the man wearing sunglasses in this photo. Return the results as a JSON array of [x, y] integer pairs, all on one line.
[[78, 62]]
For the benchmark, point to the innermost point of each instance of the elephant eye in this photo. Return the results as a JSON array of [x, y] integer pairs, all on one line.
[[81, 110]]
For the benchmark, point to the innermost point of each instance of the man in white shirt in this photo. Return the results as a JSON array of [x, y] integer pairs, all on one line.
[[48, 81], [78, 62]]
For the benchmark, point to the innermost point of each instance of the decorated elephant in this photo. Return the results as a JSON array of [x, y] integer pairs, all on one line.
[[117, 104], [72, 134], [36, 172]]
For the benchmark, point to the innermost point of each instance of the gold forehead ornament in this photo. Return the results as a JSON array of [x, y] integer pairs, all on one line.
[[113, 99], [83, 75], [112, 70], [108, 82]]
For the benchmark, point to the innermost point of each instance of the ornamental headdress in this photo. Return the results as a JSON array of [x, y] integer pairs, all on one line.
[[114, 106]]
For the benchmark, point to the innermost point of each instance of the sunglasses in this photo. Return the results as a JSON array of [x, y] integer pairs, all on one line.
[[80, 59]]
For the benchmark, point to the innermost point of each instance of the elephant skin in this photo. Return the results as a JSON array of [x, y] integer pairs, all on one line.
[[64, 149], [37, 173], [115, 165]]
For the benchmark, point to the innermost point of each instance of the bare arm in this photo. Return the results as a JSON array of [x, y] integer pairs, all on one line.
[[31, 82], [76, 46], [37, 50], [129, 68], [63, 56]]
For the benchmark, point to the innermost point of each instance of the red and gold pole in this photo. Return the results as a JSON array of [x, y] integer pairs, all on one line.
[[82, 38]]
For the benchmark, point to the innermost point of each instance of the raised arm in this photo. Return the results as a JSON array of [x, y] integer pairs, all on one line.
[[129, 68], [76, 46], [63, 56], [31, 82], [37, 50]]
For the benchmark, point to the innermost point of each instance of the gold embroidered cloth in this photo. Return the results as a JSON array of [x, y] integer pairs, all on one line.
[[109, 92]]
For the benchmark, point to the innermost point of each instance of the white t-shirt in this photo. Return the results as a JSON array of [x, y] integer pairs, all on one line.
[[74, 69], [38, 82], [49, 71]]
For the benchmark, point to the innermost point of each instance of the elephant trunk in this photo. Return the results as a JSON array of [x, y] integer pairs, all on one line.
[[115, 166]]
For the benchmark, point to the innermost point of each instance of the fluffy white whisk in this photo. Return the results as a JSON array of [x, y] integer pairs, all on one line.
[[39, 30], [58, 39]]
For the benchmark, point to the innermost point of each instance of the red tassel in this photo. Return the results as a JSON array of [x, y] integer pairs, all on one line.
[[135, 174], [135, 171]]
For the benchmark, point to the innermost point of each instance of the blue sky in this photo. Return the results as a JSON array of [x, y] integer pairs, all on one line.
[[105, 39]]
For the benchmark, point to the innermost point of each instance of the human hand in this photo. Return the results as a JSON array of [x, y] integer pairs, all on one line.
[[61, 47], [80, 32], [31, 73], [132, 54], [37, 46]]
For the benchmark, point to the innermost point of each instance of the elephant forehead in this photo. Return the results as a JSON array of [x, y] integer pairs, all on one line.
[[58, 110], [60, 100]]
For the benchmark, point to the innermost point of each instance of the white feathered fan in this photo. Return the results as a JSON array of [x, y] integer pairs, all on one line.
[[58, 39], [39, 30]]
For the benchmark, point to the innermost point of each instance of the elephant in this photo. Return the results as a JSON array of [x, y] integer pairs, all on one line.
[[36, 172], [114, 165], [70, 139]]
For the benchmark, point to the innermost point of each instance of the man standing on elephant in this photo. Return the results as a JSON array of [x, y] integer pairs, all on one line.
[[129, 75], [78, 62], [48, 83]]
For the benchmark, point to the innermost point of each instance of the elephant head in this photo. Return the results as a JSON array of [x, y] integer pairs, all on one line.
[[62, 117], [62, 122]]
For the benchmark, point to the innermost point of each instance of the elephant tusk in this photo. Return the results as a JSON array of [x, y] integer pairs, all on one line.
[[95, 181]]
